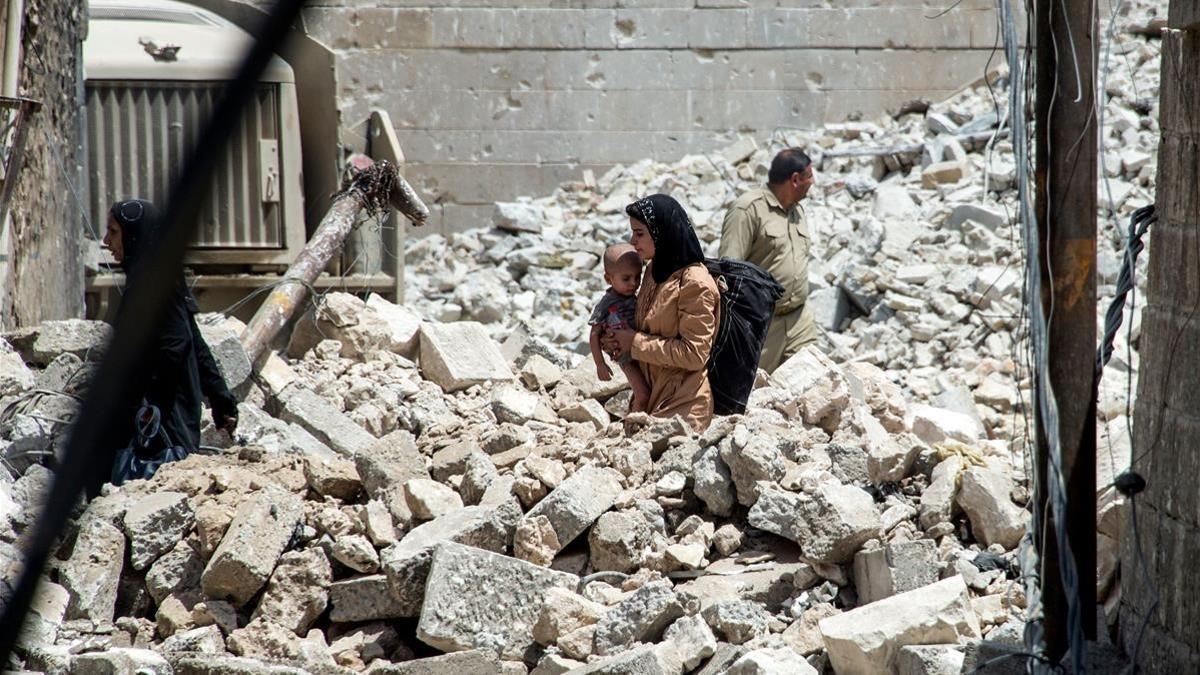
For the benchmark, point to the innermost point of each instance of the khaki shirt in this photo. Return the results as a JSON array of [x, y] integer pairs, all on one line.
[[758, 230]]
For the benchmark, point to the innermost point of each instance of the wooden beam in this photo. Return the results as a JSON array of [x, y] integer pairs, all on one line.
[[1065, 204]]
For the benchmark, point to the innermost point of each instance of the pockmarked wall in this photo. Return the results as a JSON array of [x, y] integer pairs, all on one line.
[[1160, 618], [42, 270], [493, 99]]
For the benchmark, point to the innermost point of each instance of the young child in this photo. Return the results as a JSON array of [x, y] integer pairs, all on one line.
[[623, 272]]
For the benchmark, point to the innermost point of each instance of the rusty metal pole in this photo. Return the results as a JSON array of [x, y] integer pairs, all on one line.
[[371, 186], [1065, 202]]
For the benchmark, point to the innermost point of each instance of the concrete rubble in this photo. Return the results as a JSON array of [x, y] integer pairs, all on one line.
[[444, 486]]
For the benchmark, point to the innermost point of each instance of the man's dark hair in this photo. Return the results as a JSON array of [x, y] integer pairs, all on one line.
[[786, 163]]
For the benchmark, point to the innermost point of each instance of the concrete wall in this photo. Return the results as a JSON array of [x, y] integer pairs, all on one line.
[[1167, 423], [41, 276], [494, 98]]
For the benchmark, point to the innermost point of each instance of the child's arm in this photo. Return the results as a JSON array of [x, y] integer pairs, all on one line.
[[602, 369]]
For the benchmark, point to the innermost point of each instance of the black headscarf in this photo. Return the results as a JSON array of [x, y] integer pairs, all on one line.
[[138, 219], [675, 242]]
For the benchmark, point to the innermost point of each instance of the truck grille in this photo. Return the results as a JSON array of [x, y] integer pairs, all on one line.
[[139, 134]]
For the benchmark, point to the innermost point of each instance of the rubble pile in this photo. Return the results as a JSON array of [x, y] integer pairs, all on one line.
[[916, 266], [509, 523], [446, 487]]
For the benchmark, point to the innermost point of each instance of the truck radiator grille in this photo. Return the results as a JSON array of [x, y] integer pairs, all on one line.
[[139, 134]]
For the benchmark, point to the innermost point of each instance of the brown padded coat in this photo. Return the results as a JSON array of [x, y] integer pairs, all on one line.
[[676, 322]]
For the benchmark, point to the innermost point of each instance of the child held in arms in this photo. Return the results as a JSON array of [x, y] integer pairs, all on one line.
[[623, 272]]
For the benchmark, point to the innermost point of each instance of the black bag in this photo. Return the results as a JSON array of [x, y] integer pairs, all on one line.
[[748, 297], [149, 449]]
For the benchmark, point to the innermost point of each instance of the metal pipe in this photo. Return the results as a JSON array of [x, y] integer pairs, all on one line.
[[12, 47]]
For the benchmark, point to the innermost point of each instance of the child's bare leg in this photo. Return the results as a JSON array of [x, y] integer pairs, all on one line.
[[637, 383]]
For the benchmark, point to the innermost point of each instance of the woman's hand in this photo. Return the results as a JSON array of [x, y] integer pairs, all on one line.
[[619, 341]]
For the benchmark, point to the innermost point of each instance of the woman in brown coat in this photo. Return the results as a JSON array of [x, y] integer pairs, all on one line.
[[676, 312]]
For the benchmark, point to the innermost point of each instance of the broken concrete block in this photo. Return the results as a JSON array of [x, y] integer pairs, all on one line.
[[227, 351], [540, 372], [937, 501], [892, 202], [93, 572], [575, 504], [458, 355], [365, 598], [261, 639], [42, 344], [243, 562], [819, 383], [738, 621], [587, 411], [642, 617], [712, 482], [564, 611], [333, 477], [993, 219], [45, 616], [389, 463], [939, 173], [176, 571], [15, 377], [583, 380], [478, 474], [356, 552], [740, 150], [474, 662], [204, 640], [535, 541], [154, 524], [519, 217], [641, 660], [303, 406], [297, 592], [479, 599], [830, 525], [936, 425], [555, 664], [770, 662], [121, 661], [895, 568], [452, 460], [759, 460], [868, 639], [930, 660], [428, 499], [403, 325], [985, 496], [693, 640], [407, 563], [224, 664], [619, 541], [514, 403]]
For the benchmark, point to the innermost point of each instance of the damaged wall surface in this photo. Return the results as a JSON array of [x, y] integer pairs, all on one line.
[[1167, 426], [42, 275], [509, 98]]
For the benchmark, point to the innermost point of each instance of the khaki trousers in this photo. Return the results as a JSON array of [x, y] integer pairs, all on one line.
[[789, 333]]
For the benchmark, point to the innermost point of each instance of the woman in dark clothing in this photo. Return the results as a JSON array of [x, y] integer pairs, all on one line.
[[180, 370]]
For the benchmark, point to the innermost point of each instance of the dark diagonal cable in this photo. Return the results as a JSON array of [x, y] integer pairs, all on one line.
[[1139, 224], [120, 369]]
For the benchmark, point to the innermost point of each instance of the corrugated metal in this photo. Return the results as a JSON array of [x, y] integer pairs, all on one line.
[[139, 134]]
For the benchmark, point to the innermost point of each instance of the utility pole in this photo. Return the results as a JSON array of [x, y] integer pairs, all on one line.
[[1065, 202]]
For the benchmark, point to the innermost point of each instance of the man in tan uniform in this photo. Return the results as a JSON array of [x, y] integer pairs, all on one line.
[[765, 226]]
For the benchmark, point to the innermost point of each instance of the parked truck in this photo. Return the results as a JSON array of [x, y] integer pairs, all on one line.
[[153, 71]]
